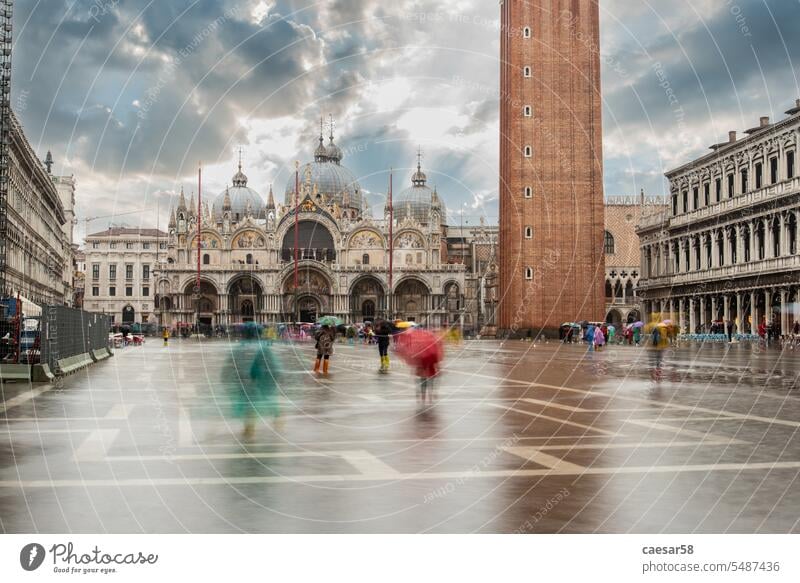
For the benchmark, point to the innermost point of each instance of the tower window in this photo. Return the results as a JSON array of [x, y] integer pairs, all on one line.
[[526, 32], [526, 71], [529, 232], [529, 273], [528, 192], [528, 151], [608, 243], [527, 111]]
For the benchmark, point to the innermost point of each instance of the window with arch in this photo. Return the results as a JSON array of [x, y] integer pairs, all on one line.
[[529, 273], [249, 259], [528, 192], [526, 71], [608, 243], [206, 259], [529, 232], [528, 151], [526, 32], [365, 259], [527, 111]]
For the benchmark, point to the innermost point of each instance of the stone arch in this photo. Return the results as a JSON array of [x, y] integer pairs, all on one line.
[[614, 317], [245, 296], [353, 240], [365, 291], [210, 238], [412, 298], [315, 240]]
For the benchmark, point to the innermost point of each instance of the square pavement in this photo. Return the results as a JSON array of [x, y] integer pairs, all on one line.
[[517, 437]]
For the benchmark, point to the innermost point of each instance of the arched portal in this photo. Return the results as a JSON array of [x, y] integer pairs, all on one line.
[[309, 309], [245, 299], [411, 300], [614, 318], [367, 299], [314, 241], [128, 315], [203, 302]]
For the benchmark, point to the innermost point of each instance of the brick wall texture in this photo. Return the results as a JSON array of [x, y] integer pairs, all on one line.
[[565, 170]]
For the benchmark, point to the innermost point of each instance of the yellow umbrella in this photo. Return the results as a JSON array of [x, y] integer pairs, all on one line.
[[404, 325]]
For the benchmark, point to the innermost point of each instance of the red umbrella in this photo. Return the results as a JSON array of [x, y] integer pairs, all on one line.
[[421, 349]]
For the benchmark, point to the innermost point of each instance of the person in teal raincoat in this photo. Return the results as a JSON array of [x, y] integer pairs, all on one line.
[[255, 373]]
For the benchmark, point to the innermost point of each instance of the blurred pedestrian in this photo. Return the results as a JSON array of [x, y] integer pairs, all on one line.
[[165, 336], [599, 338], [384, 333], [255, 372], [590, 331], [324, 337]]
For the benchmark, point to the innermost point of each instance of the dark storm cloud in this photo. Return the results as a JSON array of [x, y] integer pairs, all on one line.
[[690, 86], [192, 73]]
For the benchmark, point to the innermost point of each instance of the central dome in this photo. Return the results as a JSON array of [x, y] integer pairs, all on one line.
[[334, 182], [242, 199], [418, 200]]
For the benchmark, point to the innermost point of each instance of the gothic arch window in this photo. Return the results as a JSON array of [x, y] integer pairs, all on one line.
[[249, 259], [206, 259], [608, 243], [365, 259]]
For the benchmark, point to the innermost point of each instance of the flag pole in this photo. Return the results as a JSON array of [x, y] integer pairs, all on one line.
[[296, 234], [199, 233]]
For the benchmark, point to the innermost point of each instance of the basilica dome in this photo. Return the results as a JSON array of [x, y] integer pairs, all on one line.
[[418, 200], [334, 182], [241, 198]]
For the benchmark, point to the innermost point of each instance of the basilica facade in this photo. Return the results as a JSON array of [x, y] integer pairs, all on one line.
[[318, 252]]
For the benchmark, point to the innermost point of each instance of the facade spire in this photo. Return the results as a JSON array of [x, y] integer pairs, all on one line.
[[48, 162], [271, 199], [182, 201]]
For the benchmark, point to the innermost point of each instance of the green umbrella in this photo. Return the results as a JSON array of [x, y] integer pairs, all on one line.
[[330, 321]]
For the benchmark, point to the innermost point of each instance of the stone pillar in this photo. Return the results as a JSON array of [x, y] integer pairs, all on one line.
[[768, 305], [754, 321], [679, 264], [703, 258], [681, 318], [784, 311], [713, 309], [768, 254], [726, 308], [726, 246], [784, 249], [703, 313], [739, 313]]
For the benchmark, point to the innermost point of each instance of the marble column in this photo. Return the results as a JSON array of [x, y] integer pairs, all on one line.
[[692, 317], [681, 318], [713, 308], [703, 313], [726, 308], [754, 320], [739, 313], [768, 305], [784, 311]]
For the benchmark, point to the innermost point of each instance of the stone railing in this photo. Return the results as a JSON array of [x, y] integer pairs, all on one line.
[[761, 267]]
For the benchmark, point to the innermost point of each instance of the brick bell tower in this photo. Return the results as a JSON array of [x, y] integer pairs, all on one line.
[[552, 267]]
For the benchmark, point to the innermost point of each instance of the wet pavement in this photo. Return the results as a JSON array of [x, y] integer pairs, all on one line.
[[518, 438]]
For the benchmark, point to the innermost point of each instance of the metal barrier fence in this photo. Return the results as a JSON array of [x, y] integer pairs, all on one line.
[[67, 332]]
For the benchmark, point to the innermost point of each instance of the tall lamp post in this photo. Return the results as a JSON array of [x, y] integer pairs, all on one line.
[[390, 307]]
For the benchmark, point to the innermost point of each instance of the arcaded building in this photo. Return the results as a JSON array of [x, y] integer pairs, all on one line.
[[726, 249], [551, 167]]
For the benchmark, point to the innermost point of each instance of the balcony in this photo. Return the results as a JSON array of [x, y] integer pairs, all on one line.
[[767, 193], [759, 267]]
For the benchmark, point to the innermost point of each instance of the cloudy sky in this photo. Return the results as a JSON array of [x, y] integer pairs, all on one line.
[[130, 94]]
